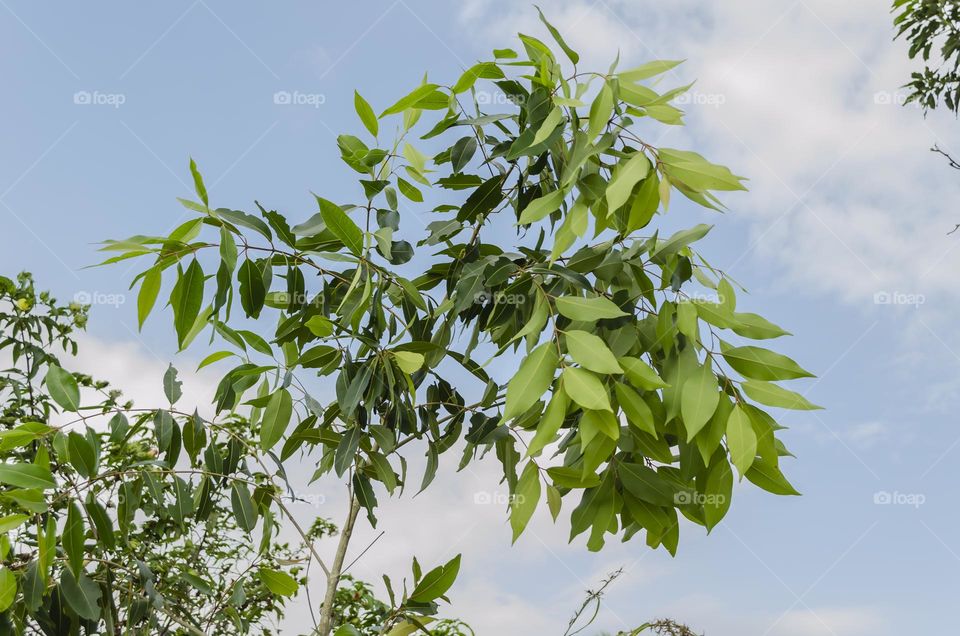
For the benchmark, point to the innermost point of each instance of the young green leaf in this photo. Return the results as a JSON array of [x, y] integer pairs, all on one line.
[[591, 352], [741, 439], [773, 395], [534, 376], [280, 583], [585, 389], [436, 582], [698, 400], [600, 112], [367, 116], [147, 297], [588, 309], [757, 363]]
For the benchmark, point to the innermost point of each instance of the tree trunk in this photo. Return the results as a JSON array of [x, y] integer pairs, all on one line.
[[333, 579]]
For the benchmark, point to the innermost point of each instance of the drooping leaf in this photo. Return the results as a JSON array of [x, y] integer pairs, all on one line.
[[534, 376], [63, 388], [276, 418], [741, 439], [366, 114], [524, 499], [588, 309]]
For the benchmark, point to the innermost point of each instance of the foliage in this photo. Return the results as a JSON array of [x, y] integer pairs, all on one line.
[[363, 341], [99, 531], [932, 27]]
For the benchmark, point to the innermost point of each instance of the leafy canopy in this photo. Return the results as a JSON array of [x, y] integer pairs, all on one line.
[[373, 335], [932, 28]]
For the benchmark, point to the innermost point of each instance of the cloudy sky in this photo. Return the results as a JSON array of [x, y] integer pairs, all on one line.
[[842, 239]]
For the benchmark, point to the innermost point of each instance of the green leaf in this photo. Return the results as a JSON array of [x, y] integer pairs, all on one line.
[[214, 357], [27, 476], [244, 510], [436, 582], [341, 225], [718, 492], [588, 309], [320, 326], [648, 70], [147, 297], [276, 417], [600, 112], [698, 400], [411, 99], [548, 126], [172, 387], [82, 595], [73, 537], [585, 389], [367, 116], [12, 522], [186, 300], [252, 290], [741, 439], [83, 457], [63, 388], [483, 199], [525, 499], [572, 477], [549, 424], [408, 361], [646, 484], [769, 477], [574, 57], [8, 588], [101, 523], [409, 190], [627, 175], [590, 352], [637, 411], [773, 395], [541, 207], [280, 583], [696, 172], [198, 183], [346, 450], [534, 376], [756, 327], [641, 374], [757, 363], [680, 240]]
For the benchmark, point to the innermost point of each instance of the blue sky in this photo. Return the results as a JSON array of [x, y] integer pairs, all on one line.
[[846, 202]]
